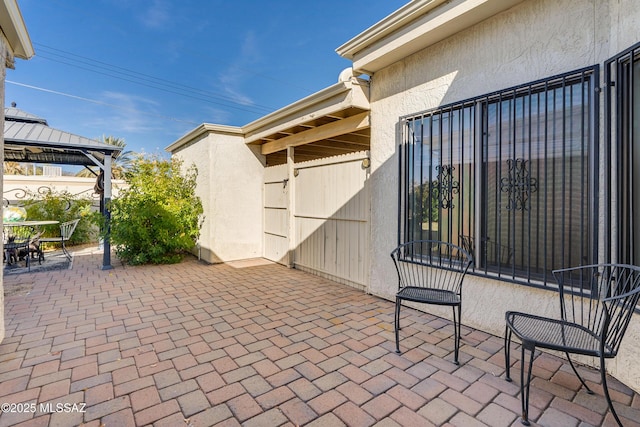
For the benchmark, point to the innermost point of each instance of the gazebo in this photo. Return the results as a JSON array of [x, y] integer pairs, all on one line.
[[28, 138]]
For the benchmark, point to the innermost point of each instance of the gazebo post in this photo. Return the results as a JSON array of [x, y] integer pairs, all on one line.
[[106, 199]]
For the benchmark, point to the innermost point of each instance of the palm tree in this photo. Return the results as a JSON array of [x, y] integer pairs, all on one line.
[[13, 168], [119, 166]]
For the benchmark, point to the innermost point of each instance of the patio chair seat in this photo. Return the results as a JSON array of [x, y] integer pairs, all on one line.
[[596, 305], [429, 296], [554, 334]]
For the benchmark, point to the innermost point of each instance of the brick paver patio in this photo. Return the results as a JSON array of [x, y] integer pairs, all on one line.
[[256, 344]]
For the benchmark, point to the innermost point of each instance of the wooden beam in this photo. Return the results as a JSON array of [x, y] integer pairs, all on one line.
[[330, 130]]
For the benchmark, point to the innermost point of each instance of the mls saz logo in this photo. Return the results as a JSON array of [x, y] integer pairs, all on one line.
[[62, 407]]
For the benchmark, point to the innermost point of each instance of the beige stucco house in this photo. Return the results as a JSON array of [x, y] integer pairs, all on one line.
[[523, 108], [14, 43]]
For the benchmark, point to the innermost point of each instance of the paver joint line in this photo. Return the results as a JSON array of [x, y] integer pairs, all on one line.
[[259, 344]]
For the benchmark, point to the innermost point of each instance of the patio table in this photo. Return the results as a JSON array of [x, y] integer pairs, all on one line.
[[22, 233]]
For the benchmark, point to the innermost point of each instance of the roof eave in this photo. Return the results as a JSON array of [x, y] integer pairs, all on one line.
[[414, 27], [297, 106], [350, 92], [384, 27], [201, 130], [15, 30]]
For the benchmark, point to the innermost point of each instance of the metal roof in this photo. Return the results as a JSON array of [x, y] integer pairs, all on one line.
[[28, 138]]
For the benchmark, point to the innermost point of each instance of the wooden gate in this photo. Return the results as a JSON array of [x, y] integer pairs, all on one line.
[[276, 214], [330, 217]]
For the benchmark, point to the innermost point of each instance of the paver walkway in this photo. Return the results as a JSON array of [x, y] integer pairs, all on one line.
[[256, 344]]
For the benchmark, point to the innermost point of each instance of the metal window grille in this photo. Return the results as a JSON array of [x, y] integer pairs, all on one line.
[[622, 77], [438, 174], [509, 176]]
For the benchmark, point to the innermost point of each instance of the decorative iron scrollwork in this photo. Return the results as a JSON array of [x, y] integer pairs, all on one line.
[[518, 184], [446, 186]]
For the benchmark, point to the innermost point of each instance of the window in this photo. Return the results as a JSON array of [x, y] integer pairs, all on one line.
[[509, 176], [623, 134]]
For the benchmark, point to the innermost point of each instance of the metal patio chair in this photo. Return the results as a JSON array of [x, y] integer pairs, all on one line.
[[15, 248], [596, 305], [66, 231], [431, 272], [21, 242]]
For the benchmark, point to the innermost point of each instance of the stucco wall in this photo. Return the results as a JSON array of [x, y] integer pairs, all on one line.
[[230, 186], [3, 55], [16, 186], [533, 40]]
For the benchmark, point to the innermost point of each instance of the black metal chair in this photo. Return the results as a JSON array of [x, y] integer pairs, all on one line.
[[18, 245], [16, 248], [66, 231], [431, 272], [596, 305]]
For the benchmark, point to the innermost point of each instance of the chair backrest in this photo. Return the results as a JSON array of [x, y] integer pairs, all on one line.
[[431, 264], [494, 253], [468, 243], [601, 298], [67, 228]]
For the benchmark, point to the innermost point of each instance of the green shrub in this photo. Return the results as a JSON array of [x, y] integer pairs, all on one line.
[[157, 218], [62, 206]]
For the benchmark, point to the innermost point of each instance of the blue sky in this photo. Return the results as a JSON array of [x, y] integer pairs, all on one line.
[[149, 71]]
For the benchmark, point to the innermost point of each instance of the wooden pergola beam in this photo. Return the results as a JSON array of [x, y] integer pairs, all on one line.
[[330, 130]]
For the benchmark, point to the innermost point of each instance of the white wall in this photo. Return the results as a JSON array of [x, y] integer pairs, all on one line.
[[16, 185], [3, 53], [230, 186], [533, 40]]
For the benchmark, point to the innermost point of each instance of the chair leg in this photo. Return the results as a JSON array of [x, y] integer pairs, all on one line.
[[65, 251], [397, 323], [575, 371], [507, 353], [605, 387], [524, 386], [456, 332]]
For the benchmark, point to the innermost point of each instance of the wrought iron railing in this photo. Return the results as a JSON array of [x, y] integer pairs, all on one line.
[[20, 195]]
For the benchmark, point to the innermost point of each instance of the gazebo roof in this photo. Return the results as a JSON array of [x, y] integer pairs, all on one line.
[[28, 138]]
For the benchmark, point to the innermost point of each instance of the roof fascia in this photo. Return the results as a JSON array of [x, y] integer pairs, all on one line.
[[386, 26], [414, 27], [298, 106], [63, 146], [201, 130], [345, 93], [15, 30], [339, 96]]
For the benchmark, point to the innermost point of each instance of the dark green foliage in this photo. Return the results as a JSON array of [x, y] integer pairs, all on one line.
[[62, 206], [157, 219]]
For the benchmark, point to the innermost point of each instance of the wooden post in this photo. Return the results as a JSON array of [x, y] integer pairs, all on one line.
[[291, 208]]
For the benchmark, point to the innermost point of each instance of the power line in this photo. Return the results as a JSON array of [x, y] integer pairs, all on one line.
[[155, 82], [210, 101], [94, 101], [245, 70]]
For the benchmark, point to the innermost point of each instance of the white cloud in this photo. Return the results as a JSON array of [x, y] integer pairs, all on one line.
[[217, 116], [157, 15], [133, 115], [231, 79]]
